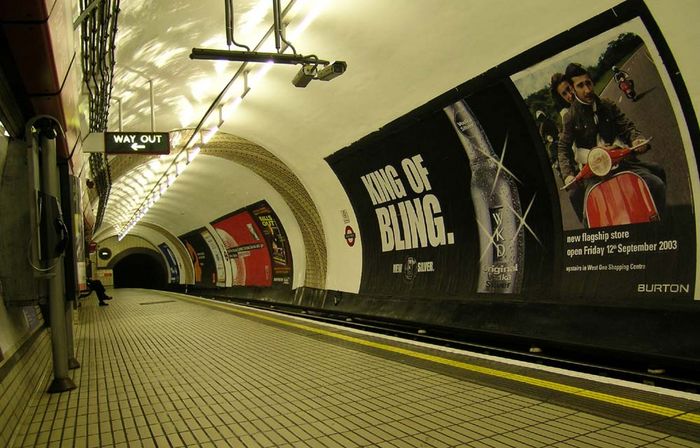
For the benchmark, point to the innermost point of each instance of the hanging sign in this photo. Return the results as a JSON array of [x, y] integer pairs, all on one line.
[[137, 143], [148, 143]]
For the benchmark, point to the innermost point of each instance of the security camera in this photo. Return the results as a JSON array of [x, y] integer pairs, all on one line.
[[304, 76], [332, 70]]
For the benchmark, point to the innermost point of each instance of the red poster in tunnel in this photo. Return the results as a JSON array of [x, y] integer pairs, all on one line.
[[246, 248]]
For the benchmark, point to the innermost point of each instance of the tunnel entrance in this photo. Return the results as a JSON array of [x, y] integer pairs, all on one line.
[[140, 270]]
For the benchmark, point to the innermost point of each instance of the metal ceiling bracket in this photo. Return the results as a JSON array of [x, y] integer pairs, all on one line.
[[254, 56], [246, 86], [277, 24]]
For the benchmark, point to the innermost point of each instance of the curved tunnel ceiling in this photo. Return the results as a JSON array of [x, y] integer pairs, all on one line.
[[213, 187], [400, 54]]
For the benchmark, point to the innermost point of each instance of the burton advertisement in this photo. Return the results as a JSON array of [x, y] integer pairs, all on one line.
[[627, 215]]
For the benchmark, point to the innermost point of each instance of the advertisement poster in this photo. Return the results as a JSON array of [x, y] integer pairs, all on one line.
[[246, 248], [173, 268], [276, 240], [444, 205], [201, 257], [627, 219], [218, 258], [79, 246], [31, 314], [487, 191]]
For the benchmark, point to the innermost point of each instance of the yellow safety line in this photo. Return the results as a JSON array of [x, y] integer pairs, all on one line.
[[598, 396]]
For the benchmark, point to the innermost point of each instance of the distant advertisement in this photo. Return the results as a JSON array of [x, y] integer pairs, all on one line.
[[256, 245], [82, 275], [246, 248], [173, 268], [218, 257], [277, 242], [79, 246], [201, 257]]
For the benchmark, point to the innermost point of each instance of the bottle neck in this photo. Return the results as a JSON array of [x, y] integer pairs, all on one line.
[[471, 133]]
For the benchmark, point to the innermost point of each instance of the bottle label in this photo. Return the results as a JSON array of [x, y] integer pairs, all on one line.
[[498, 240], [501, 271]]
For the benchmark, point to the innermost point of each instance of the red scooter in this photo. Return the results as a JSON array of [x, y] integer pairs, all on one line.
[[627, 87], [618, 197]]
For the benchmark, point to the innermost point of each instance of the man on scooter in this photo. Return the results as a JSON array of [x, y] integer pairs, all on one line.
[[593, 122], [619, 75], [624, 83]]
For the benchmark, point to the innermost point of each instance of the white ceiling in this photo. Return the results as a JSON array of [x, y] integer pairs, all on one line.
[[400, 54]]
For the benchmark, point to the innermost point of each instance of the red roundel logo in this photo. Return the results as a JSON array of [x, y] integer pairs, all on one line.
[[349, 236]]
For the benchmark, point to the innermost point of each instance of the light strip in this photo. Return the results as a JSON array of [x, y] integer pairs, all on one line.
[[209, 135]]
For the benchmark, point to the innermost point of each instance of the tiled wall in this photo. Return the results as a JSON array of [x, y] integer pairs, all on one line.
[[20, 375]]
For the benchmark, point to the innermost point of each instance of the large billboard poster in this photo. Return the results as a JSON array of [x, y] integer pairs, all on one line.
[[627, 216], [512, 187], [201, 257], [445, 205], [246, 248]]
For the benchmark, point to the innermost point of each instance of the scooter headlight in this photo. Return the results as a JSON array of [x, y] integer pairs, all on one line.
[[599, 161]]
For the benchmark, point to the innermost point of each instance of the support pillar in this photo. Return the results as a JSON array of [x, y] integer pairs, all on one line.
[[57, 301]]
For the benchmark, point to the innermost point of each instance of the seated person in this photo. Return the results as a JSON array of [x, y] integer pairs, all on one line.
[[98, 287]]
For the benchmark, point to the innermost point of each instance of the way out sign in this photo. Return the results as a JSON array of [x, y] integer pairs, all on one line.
[[137, 143]]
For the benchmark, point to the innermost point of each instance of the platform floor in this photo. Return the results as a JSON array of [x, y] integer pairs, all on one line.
[[161, 370]]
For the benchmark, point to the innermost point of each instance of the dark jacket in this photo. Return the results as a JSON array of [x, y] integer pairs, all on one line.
[[579, 127]]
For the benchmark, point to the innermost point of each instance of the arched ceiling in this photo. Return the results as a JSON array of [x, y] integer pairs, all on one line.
[[400, 54]]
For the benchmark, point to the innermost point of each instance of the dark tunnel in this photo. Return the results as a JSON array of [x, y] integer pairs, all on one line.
[[140, 270]]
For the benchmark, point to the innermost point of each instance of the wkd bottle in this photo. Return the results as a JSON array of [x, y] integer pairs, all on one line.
[[496, 207]]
